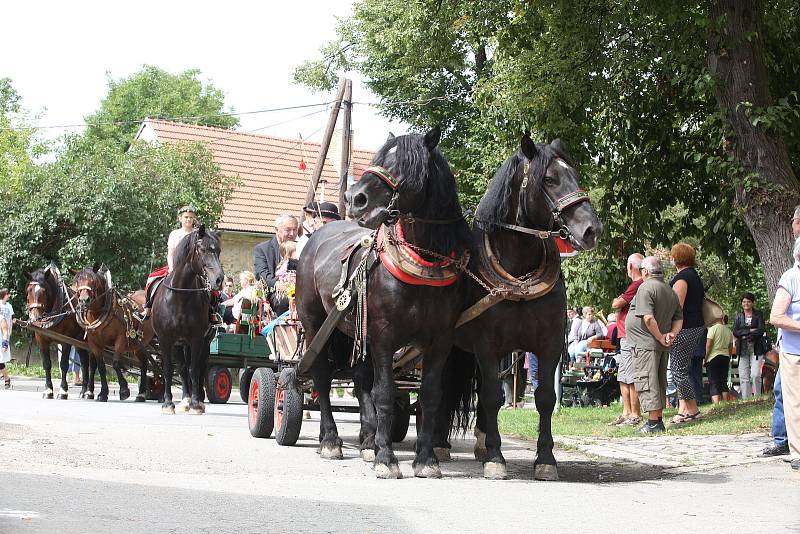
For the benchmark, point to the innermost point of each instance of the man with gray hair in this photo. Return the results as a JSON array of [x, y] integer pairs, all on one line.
[[654, 319], [268, 253], [625, 370]]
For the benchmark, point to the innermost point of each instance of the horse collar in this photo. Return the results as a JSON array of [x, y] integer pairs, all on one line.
[[407, 266]]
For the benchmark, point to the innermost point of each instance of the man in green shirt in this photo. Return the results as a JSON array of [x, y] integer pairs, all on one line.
[[654, 319]]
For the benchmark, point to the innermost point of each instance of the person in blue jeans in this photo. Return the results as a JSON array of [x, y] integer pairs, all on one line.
[[779, 437], [533, 370]]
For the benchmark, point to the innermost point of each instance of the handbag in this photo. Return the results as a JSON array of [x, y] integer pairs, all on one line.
[[712, 312]]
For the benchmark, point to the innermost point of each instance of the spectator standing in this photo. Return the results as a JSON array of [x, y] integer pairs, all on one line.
[[589, 330], [696, 369], [751, 346], [779, 438], [267, 253], [533, 370], [786, 316], [625, 369], [6, 314], [689, 289], [573, 325], [653, 322], [719, 347]]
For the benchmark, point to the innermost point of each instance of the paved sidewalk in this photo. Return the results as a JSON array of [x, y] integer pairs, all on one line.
[[677, 454]]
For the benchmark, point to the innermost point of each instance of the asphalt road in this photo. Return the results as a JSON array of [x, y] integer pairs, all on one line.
[[79, 466]]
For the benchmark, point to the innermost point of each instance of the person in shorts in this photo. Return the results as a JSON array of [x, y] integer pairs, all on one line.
[[654, 320], [625, 371]]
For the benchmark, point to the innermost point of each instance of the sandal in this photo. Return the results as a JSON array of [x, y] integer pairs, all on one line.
[[694, 417], [680, 418]]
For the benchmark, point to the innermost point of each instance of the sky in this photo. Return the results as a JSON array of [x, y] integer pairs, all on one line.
[[58, 54]]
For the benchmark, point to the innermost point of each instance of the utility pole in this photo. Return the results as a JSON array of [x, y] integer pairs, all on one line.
[[346, 140], [323, 149]]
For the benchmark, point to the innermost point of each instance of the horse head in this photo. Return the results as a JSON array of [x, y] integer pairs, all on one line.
[[200, 251], [39, 294], [400, 179], [550, 196], [90, 287]]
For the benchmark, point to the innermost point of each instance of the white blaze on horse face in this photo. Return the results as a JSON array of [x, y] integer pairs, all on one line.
[[563, 164]]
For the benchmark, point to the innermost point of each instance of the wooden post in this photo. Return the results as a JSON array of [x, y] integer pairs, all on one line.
[[346, 139], [323, 149]]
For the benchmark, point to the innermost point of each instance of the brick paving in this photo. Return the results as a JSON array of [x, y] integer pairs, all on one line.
[[677, 454]]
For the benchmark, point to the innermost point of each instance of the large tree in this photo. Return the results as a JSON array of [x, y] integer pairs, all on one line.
[[670, 151], [153, 92]]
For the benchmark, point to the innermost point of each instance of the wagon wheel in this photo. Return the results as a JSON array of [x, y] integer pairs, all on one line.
[[288, 409], [261, 403], [402, 416], [220, 384], [245, 377]]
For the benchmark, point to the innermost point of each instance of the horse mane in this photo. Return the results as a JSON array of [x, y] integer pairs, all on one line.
[[185, 245], [493, 207], [427, 170]]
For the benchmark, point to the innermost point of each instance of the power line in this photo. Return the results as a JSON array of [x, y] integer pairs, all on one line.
[[184, 118], [420, 101]]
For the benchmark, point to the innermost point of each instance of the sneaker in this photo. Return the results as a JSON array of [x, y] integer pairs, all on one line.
[[795, 464], [652, 427], [618, 421], [776, 450]]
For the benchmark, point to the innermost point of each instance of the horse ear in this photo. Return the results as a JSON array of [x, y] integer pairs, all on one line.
[[390, 138], [433, 137], [528, 146], [96, 266], [558, 146], [201, 232]]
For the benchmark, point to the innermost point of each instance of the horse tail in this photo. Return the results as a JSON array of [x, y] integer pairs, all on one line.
[[459, 385]]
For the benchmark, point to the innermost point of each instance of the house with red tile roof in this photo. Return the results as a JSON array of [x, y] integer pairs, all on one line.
[[272, 180]]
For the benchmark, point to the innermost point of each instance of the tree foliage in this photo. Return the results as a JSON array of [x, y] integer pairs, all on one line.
[[153, 92], [625, 84]]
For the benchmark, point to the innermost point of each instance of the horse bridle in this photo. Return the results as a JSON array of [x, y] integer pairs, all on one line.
[[202, 276], [557, 206], [393, 213], [108, 306], [49, 318]]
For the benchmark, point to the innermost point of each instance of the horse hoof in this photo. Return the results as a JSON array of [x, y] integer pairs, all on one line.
[[89, 395], [168, 410], [101, 398], [331, 453], [48, 394], [139, 398], [124, 394], [545, 472], [480, 454], [427, 471], [368, 455], [388, 471], [442, 454], [184, 405], [198, 409], [494, 471], [62, 395]]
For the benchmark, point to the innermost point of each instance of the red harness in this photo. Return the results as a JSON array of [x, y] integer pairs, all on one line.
[[400, 274]]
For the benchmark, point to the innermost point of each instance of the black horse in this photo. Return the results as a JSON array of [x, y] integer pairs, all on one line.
[[180, 312], [533, 196], [410, 179], [51, 306]]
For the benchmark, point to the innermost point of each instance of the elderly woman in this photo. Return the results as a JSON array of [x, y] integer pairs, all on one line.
[[589, 329], [689, 289], [751, 346], [786, 316]]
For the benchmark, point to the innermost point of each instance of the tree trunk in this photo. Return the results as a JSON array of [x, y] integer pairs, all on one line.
[[736, 57]]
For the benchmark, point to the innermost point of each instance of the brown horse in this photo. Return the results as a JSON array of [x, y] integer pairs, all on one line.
[[768, 371], [111, 320], [50, 306]]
